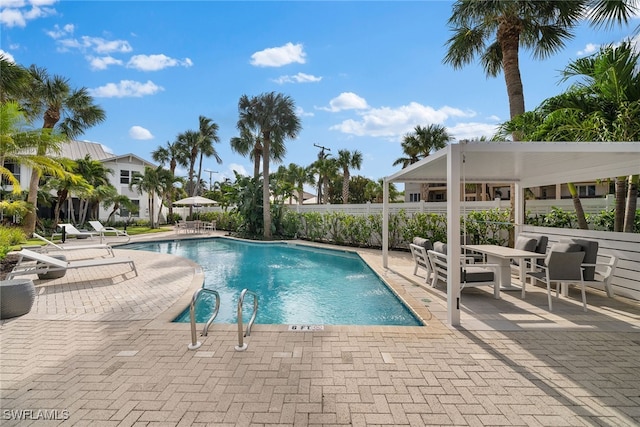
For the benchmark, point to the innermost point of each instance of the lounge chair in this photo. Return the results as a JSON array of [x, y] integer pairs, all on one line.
[[70, 230], [51, 246], [31, 262], [97, 225], [419, 249]]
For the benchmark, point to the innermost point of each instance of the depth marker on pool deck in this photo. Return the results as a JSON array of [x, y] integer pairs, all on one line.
[[306, 328]]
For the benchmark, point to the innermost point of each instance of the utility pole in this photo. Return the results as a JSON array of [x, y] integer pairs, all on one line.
[[210, 172], [322, 155]]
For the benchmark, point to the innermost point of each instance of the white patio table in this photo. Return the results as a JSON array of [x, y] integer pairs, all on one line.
[[503, 255]]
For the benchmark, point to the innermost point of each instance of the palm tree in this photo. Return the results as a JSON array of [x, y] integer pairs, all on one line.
[[148, 183], [207, 136], [300, 176], [188, 152], [14, 80], [602, 106], [97, 175], [419, 144], [327, 170], [347, 159], [169, 155], [272, 116], [70, 111], [496, 30], [248, 144]]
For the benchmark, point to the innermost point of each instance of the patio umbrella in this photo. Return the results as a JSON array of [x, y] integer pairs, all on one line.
[[195, 201]]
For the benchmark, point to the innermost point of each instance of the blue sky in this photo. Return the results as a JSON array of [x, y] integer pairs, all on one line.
[[362, 74]]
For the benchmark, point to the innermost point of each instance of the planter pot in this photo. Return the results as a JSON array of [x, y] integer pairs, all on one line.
[[16, 297], [53, 274]]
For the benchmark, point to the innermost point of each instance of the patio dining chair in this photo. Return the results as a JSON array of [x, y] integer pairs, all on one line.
[[563, 265]]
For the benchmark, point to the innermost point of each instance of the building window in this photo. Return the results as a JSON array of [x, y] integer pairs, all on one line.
[[125, 177], [125, 213], [414, 197], [586, 190]]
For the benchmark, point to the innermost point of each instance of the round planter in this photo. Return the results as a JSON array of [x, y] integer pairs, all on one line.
[[16, 297], [53, 274]]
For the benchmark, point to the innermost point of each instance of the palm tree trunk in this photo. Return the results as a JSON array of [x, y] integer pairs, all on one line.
[[32, 198], [577, 205], [266, 202], [632, 203], [345, 187], [621, 193]]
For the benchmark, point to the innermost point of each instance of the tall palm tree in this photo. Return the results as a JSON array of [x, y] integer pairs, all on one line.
[[70, 111], [273, 116], [346, 160], [170, 155], [207, 136], [496, 30], [188, 150]]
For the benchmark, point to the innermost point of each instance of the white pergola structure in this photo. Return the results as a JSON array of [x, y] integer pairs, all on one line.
[[525, 164]]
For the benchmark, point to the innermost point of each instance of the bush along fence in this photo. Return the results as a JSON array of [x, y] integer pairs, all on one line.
[[489, 226]]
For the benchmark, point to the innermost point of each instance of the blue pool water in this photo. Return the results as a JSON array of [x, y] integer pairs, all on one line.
[[295, 284]]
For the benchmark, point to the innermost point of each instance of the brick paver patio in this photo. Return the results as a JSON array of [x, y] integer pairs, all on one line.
[[98, 349]]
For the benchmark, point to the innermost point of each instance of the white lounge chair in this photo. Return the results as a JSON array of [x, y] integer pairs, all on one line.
[[31, 262], [97, 225], [70, 230], [51, 246]]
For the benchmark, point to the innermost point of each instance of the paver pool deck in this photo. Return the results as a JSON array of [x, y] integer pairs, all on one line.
[[98, 348]]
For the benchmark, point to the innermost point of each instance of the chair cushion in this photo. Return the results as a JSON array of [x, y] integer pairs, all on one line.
[[476, 274], [525, 244], [562, 247], [425, 243], [440, 247], [590, 248]]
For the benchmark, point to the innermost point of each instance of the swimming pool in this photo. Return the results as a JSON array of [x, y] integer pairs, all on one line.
[[296, 284]]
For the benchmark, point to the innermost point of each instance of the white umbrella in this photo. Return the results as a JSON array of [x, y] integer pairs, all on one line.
[[195, 200]]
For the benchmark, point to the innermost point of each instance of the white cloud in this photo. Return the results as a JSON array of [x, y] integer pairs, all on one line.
[[393, 123], [102, 63], [7, 56], [279, 56], [346, 101], [59, 32], [589, 49], [472, 130], [86, 43], [138, 132], [298, 78], [156, 62], [16, 13], [301, 113], [126, 88], [237, 168]]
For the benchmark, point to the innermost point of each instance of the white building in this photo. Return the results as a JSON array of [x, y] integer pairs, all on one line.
[[123, 168]]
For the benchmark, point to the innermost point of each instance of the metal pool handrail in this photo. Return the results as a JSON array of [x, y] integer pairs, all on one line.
[[241, 345], [192, 314]]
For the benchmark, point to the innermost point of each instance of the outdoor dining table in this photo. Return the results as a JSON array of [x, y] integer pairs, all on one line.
[[503, 255]]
